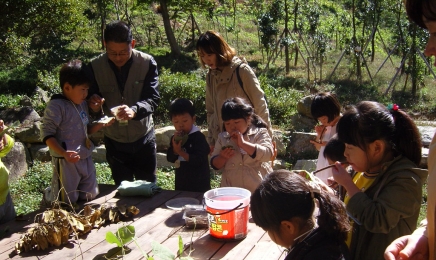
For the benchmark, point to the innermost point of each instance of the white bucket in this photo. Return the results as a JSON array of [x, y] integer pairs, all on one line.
[[228, 212]]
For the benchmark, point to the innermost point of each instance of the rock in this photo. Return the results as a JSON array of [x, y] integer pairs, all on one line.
[[39, 152], [17, 161], [98, 137], [424, 158], [25, 101], [29, 133], [162, 160], [299, 146], [427, 133], [280, 139], [303, 106], [41, 95], [302, 123], [99, 154], [279, 164], [163, 137], [23, 114], [30, 127], [308, 165]]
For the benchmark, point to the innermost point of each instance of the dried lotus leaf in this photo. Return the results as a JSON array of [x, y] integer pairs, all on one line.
[[41, 239], [132, 209], [87, 211], [122, 209], [227, 146]]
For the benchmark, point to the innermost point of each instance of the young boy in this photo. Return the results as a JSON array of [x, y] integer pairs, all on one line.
[[334, 152], [65, 130], [188, 149], [7, 210]]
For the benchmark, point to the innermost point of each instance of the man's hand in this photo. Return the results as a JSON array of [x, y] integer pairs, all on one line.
[[413, 247], [125, 113]]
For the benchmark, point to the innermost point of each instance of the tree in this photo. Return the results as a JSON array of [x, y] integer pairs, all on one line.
[[42, 28]]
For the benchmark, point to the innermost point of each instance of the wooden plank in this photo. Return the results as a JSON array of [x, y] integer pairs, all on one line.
[[234, 250], [170, 226], [96, 237], [95, 243], [265, 248]]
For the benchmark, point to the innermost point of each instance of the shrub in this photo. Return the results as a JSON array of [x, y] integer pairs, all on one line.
[[181, 85]]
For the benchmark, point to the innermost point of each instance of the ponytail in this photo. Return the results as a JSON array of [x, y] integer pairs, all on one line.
[[332, 216], [258, 121], [407, 138]]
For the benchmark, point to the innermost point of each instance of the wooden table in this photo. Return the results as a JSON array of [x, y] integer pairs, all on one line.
[[155, 222]]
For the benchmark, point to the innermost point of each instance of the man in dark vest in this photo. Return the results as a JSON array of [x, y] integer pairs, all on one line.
[[126, 83]]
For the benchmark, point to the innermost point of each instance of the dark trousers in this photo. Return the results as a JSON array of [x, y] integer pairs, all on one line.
[[137, 163]]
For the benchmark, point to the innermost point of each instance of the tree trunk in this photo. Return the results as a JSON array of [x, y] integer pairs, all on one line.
[[175, 50], [286, 36]]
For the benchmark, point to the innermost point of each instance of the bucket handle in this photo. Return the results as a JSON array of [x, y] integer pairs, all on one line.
[[225, 212]]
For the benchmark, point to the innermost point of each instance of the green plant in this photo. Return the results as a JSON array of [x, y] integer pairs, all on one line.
[[126, 234], [26, 192]]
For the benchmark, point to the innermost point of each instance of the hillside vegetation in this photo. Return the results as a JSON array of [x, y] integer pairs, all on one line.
[[296, 48], [360, 49]]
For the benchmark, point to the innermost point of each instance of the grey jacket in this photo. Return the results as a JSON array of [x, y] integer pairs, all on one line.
[[62, 121]]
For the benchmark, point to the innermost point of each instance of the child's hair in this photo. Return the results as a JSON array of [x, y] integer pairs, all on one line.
[[369, 121], [325, 104], [180, 106], [419, 9], [73, 72], [334, 150], [283, 195], [212, 42], [237, 108], [119, 32]]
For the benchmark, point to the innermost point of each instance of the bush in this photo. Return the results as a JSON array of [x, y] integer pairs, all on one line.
[[26, 192], [181, 85]]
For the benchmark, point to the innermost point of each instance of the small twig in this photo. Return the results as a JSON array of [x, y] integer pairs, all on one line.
[[325, 168]]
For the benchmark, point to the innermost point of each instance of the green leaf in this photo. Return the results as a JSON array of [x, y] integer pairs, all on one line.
[[180, 245], [111, 238], [126, 234], [162, 252]]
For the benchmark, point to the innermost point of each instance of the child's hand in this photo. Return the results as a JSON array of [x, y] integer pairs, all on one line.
[[319, 129], [71, 156], [110, 122], [341, 175], [177, 146], [237, 137], [227, 153], [95, 102], [318, 145], [3, 138]]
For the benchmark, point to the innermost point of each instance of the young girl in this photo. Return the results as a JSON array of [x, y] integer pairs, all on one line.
[[228, 77], [245, 149], [284, 205], [384, 197], [326, 109]]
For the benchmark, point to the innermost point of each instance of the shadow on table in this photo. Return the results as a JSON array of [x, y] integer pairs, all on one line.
[[114, 253]]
